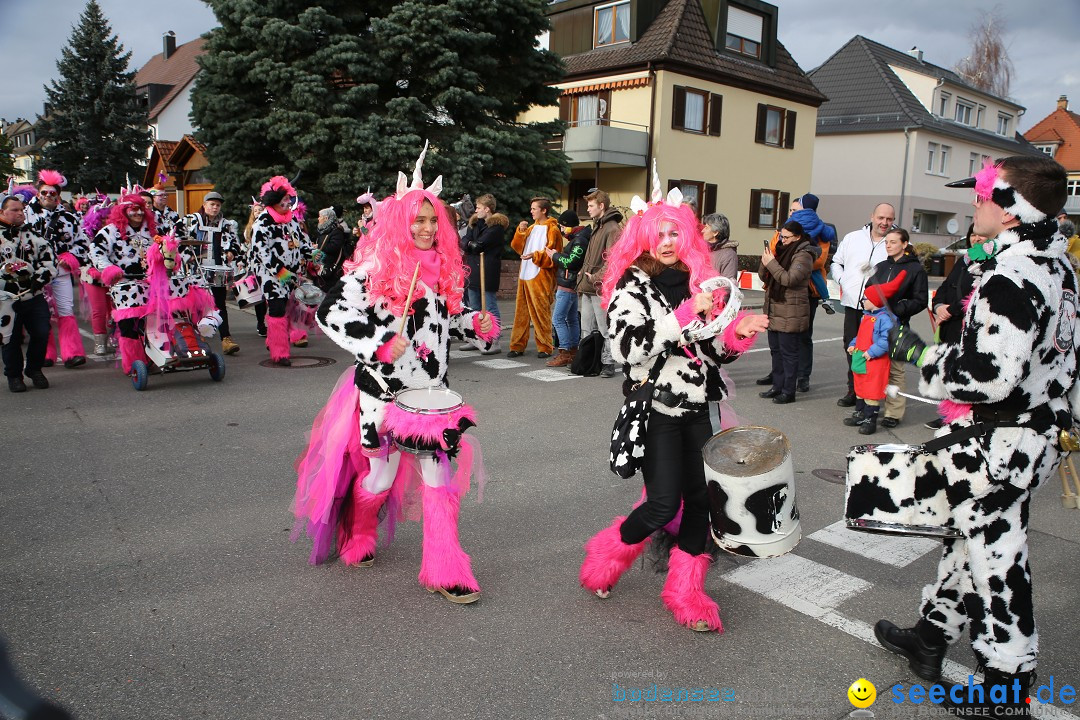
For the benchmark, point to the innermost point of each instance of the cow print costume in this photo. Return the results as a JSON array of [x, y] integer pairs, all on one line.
[[277, 247], [21, 244], [167, 221]]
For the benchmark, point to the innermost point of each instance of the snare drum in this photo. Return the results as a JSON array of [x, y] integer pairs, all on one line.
[[899, 489], [7, 315], [309, 294], [424, 421], [248, 290], [218, 276]]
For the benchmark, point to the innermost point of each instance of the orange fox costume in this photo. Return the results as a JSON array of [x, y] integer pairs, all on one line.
[[535, 289]]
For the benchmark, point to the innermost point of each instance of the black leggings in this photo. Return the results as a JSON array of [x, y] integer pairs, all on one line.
[[130, 328], [674, 471], [219, 302], [276, 308]]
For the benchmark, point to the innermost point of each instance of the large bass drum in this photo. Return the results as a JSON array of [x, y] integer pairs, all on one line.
[[751, 483]]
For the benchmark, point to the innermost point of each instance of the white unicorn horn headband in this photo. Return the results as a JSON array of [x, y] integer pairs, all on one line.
[[417, 181], [674, 196]]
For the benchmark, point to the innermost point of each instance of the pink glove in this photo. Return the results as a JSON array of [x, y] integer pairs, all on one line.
[[111, 274]]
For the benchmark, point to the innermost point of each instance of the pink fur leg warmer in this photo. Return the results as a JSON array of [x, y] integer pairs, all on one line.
[[444, 563], [607, 557], [70, 341], [684, 590], [277, 337], [50, 349], [357, 530], [130, 351], [297, 333]]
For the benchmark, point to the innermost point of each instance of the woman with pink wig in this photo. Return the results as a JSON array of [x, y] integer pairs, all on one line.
[[351, 467], [652, 291]]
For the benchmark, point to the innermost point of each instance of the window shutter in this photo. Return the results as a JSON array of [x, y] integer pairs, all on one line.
[[783, 205], [716, 107], [672, 184], [755, 205], [789, 129], [709, 206], [678, 109], [564, 108], [762, 115]]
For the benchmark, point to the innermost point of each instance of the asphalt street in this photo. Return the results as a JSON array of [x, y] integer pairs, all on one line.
[[147, 569]]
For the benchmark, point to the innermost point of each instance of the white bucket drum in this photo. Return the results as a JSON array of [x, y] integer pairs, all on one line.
[[898, 489], [7, 316], [427, 420], [309, 294], [751, 483], [218, 276], [248, 290]]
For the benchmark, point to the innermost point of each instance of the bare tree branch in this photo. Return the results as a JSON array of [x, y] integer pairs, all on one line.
[[988, 67]]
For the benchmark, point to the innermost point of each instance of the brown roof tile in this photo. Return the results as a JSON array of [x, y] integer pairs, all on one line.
[[680, 36], [1064, 126], [175, 72]]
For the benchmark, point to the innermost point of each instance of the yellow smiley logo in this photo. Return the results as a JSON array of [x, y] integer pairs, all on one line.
[[862, 693]]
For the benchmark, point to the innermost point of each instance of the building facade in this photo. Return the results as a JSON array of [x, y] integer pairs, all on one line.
[[1058, 135]]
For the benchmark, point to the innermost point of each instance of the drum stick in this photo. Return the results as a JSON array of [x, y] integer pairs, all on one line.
[[894, 390], [408, 300], [483, 287]]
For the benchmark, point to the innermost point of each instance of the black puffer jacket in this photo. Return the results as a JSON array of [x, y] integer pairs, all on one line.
[[912, 298], [488, 237]]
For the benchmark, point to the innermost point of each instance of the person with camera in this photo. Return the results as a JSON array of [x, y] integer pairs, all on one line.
[[27, 265]]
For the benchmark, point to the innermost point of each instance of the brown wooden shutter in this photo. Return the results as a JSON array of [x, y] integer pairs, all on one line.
[[755, 205], [762, 116], [678, 109], [709, 206], [564, 107], [716, 107], [782, 207], [605, 97], [789, 129]]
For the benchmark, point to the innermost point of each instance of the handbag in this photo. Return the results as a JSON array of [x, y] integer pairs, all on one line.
[[628, 435]]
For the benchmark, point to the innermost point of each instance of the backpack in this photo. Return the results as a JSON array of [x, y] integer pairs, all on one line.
[[588, 360]]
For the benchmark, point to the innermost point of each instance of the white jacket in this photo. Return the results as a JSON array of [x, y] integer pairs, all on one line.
[[854, 262]]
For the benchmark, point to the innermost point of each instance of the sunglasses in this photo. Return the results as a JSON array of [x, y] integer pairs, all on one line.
[[48, 193]]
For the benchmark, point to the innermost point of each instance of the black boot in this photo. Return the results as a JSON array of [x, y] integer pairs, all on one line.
[[767, 380], [848, 400], [923, 645], [855, 419], [986, 701]]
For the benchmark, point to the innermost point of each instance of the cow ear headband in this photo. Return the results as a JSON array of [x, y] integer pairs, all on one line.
[[417, 182], [674, 196], [990, 185]]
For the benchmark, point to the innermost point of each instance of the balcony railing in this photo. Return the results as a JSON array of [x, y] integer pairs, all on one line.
[[1072, 204], [614, 143]]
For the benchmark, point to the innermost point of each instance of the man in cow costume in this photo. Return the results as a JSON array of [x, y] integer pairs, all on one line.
[[410, 267], [1006, 387], [212, 239]]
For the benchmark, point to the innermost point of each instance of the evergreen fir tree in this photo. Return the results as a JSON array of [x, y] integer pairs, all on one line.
[[348, 92], [96, 129], [7, 159]]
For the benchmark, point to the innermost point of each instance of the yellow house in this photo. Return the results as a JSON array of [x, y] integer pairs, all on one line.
[[702, 86]]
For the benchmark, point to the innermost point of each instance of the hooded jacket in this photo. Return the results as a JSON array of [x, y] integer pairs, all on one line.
[[605, 234], [487, 237], [912, 298]]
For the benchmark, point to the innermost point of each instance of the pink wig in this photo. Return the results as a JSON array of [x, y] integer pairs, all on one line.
[[642, 235], [389, 255], [51, 177], [278, 182], [118, 213]]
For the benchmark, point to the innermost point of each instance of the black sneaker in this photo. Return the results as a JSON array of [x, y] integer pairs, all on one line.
[[803, 385], [39, 380], [543, 355], [767, 380], [16, 384], [868, 426], [514, 354], [889, 422], [934, 424], [607, 371], [261, 330], [827, 307], [924, 659], [770, 393], [848, 400]]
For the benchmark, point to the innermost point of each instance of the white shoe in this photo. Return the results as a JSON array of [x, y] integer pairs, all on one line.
[[495, 349], [207, 328]]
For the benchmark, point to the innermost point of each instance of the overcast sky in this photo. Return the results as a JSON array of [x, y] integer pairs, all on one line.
[[1041, 36]]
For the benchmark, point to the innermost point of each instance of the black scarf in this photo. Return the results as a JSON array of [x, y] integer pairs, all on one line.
[[784, 255], [673, 284]]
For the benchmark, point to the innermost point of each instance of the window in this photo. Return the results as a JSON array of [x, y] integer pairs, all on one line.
[[943, 104], [979, 116], [585, 110], [924, 222], [1074, 188], [696, 111], [612, 24], [944, 168], [744, 32], [963, 112], [700, 195], [765, 205], [775, 126], [973, 164], [931, 157], [1048, 149], [1004, 123]]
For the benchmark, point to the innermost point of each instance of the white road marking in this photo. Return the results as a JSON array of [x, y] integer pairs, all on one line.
[[766, 348], [897, 550], [501, 364], [549, 375]]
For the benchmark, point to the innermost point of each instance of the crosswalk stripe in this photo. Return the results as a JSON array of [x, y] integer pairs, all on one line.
[[896, 550], [551, 375], [501, 364]]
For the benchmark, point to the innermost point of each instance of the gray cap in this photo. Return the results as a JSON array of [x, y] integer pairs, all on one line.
[[213, 196]]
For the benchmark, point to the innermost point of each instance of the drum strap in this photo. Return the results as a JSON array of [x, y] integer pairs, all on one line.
[[982, 427], [364, 372]]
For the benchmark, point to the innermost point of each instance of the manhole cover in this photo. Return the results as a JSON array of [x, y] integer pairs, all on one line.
[[834, 476], [300, 362]]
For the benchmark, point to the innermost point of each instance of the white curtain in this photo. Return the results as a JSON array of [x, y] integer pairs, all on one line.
[[588, 110], [695, 112], [622, 16], [605, 26]]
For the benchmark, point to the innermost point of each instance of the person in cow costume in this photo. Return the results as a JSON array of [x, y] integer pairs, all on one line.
[[653, 297], [351, 468], [60, 228], [1009, 391]]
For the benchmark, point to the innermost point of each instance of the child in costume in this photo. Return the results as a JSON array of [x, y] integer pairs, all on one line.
[[351, 467], [652, 292], [869, 353]]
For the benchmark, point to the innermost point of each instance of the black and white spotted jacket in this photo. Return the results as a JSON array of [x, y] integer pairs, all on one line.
[[167, 221], [642, 325], [213, 239], [350, 317], [33, 259], [60, 228], [276, 247], [1016, 353]]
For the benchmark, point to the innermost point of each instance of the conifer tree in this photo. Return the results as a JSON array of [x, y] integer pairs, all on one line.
[[7, 159], [96, 128], [348, 92]]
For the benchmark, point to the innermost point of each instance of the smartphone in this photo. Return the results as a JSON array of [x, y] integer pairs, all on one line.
[[766, 243]]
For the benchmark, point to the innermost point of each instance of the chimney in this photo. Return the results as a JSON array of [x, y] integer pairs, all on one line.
[[169, 43], [915, 52], [1063, 103]]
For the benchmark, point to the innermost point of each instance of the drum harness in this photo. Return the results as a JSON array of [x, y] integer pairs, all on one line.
[[988, 418]]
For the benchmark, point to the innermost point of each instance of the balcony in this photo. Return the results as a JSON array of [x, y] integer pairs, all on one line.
[[1072, 205], [617, 144]]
